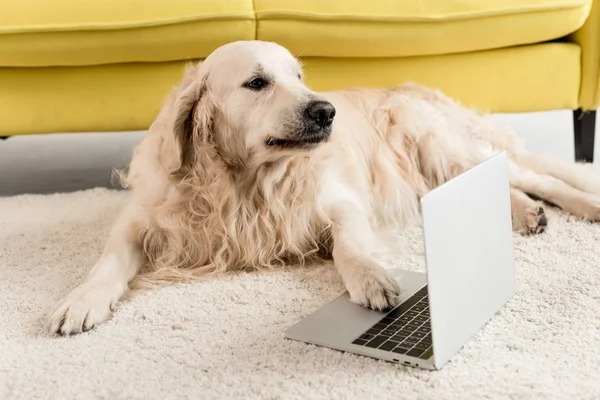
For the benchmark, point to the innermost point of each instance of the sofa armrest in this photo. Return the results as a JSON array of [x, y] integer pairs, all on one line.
[[588, 37]]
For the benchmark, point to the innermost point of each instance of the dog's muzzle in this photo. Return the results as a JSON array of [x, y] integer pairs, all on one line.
[[315, 126]]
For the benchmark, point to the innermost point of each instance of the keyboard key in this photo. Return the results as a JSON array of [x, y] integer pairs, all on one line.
[[418, 308], [387, 346], [379, 326], [401, 342], [415, 352], [421, 318], [424, 329], [397, 325], [422, 346], [413, 340], [413, 325], [376, 341], [387, 320], [412, 313], [366, 336], [419, 334], [400, 350], [427, 339], [405, 318], [399, 337], [372, 331], [360, 342]]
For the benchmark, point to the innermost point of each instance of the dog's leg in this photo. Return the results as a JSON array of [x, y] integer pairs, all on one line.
[[367, 282], [574, 201], [528, 216], [92, 302], [585, 177]]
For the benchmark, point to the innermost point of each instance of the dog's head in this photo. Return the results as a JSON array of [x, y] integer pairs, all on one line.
[[248, 101]]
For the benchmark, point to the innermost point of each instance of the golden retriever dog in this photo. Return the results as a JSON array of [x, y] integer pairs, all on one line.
[[246, 168]]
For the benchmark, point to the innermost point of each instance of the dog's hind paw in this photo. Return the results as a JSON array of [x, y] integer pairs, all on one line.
[[374, 288], [530, 221]]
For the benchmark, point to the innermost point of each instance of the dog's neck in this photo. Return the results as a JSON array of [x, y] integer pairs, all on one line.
[[286, 179], [243, 218]]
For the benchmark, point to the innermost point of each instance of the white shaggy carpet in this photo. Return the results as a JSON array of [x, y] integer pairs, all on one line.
[[224, 338]]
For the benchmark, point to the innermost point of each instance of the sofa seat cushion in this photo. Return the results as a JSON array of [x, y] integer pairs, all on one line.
[[386, 28], [87, 32]]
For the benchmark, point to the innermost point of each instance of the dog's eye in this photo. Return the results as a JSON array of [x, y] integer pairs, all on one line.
[[299, 76], [256, 84]]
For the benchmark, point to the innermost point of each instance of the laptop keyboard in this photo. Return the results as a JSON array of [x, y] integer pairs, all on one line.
[[404, 330]]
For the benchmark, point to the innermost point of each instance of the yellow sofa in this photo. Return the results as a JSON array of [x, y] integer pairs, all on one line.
[[88, 65]]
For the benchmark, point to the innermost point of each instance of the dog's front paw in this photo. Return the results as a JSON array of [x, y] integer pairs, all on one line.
[[373, 287], [85, 307]]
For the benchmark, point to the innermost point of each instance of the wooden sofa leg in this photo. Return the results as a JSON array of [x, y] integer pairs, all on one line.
[[584, 128]]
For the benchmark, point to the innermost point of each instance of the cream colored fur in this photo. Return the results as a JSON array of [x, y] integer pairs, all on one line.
[[208, 195]]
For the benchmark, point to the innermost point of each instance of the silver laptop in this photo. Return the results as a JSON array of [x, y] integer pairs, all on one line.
[[470, 276]]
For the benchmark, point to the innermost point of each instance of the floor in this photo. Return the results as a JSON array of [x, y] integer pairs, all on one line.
[[223, 337], [69, 162]]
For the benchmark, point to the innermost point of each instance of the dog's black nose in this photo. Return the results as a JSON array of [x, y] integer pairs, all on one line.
[[321, 112]]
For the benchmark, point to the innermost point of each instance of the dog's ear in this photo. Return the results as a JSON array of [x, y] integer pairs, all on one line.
[[192, 123]]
